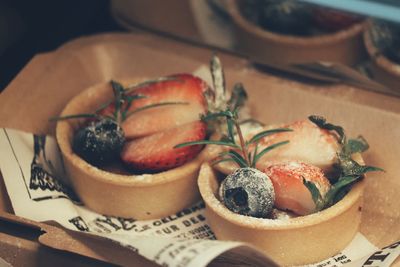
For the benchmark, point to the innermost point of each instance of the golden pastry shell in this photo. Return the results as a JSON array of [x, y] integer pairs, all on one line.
[[146, 196], [295, 241]]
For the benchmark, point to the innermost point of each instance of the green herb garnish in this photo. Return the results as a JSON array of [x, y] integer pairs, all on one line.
[[350, 171], [123, 99], [227, 112]]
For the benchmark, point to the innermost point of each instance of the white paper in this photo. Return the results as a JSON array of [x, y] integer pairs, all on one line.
[[3, 263], [30, 165]]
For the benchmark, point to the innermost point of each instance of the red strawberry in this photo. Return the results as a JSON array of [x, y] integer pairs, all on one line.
[[290, 192], [308, 143], [182, 88], [156, 152]]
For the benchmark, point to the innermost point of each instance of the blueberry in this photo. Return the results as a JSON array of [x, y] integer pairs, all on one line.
[[100, 142], [248, 191]]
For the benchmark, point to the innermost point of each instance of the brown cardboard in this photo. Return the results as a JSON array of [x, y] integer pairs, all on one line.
[[157, 15], [50, 80], [28, 243]]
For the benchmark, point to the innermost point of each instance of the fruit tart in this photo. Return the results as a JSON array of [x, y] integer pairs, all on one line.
[[292, 190], [117, 140]]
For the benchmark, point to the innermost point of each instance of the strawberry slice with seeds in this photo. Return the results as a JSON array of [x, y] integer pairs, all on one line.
[[184, 91], [290, 191], [308, 143], [156, 152]]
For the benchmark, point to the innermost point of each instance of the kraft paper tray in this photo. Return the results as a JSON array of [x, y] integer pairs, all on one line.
[[50, 80]]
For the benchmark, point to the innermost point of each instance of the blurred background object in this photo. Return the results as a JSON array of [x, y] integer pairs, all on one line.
[[199, 21], [382, 41], [273, 32], [11, 26], [382, 9], [31, 27], [289, 31]]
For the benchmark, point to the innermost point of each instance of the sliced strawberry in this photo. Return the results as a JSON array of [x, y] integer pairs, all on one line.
[[182, 88], [290, 192], [157, 153], [307, 143]]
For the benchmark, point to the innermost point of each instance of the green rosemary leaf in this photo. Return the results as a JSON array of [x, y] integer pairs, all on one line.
[[231, 134], [360, 170], [238, 159], [351, 167], [269, 148], [238, 97], [339, 195], [357, 145], [260, 135], [315, 194], [321, 123], [118, 89], [367, 168], [207, 142], [253, 159], [339, 189], [118, 95], [155, 105], [77, 116]]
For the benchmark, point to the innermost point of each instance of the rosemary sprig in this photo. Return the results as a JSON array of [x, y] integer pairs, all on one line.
[[76, 116], [123, 99], [226, 111], [239, 151], [132, 87]]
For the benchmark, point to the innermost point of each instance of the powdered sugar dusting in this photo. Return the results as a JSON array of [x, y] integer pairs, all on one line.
[[291, 193]]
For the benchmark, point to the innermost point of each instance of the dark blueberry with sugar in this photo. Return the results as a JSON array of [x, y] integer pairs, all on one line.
[[100, 142], [248, 191]]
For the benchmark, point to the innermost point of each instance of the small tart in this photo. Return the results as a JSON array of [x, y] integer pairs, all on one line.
[[343, 46], [142, 197], [289, 241]]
